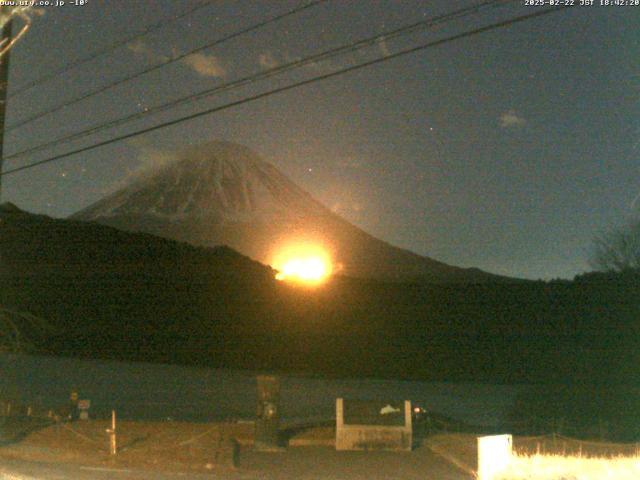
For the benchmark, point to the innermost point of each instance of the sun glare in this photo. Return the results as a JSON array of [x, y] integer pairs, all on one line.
[[303, 264]]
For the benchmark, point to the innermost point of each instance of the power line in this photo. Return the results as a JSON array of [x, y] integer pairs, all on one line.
[[109, 48], [408, 51], [163, 63], [247, 80]]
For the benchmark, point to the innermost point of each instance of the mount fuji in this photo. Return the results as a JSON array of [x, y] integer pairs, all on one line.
[[221, 193]]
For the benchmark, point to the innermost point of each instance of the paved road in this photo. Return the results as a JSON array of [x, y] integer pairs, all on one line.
[[26, 470], [303, 463]]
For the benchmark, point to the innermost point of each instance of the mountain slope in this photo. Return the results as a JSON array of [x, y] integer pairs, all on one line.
[[224, 194]]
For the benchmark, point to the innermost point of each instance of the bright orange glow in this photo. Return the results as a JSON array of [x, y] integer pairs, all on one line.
[[303, 263]]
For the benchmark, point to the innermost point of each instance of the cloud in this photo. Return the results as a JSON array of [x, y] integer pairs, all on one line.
[[322, 66], [138, 47], [205, 65], [349, 162], [150, 157], [267, 60], [141, 48], [384, 48], [149, 161], [511, 119], [347, 209]]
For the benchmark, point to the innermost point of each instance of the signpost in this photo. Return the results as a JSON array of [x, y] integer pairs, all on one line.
[[268, 415], [83, 406]]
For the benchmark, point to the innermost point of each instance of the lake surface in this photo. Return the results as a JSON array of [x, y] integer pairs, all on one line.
[[152, 391]]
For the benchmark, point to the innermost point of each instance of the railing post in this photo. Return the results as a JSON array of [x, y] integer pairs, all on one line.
[[113, 446]]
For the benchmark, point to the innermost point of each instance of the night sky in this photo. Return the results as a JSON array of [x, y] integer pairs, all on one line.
[[508, 150]]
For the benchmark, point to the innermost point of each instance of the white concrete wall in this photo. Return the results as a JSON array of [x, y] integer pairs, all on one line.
[[373, 437]]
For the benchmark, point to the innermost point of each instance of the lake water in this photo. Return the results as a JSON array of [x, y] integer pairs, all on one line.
[[152, 391]]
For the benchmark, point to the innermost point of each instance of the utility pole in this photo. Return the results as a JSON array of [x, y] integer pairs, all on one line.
[[4, 86]]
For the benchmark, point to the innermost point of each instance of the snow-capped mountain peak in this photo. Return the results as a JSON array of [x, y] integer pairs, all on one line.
[[218, 180]]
